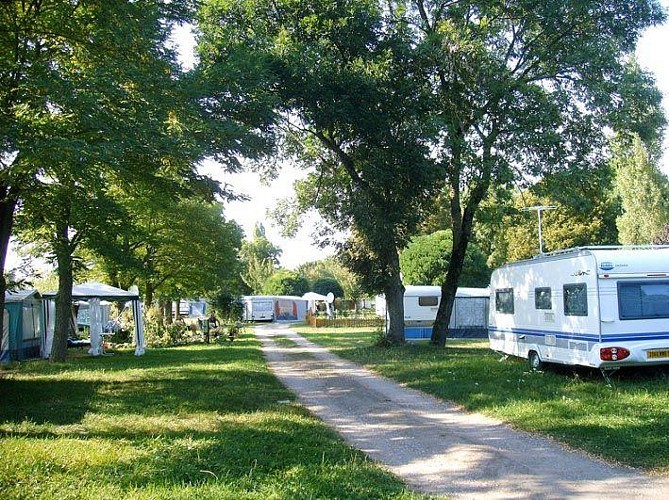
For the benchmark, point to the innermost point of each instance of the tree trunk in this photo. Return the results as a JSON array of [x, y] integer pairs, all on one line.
[[148, 294], [177, 308], [394, 292], [63, 250], [449, 288], [166, 308], [7, 207]]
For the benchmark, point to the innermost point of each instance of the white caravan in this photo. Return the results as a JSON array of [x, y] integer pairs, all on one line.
[[468, 319], [258, 308], [604, 307]]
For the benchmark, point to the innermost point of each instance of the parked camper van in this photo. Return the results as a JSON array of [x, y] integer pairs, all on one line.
[[604, 307], [258, 308], [274, 308], [468, 319]]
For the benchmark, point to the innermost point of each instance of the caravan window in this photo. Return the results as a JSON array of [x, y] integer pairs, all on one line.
[[542, 298], [643, 300], [504, 300], [576, 299], [428, 301]]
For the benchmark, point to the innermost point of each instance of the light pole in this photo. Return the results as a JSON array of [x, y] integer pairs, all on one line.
[[540, 209]]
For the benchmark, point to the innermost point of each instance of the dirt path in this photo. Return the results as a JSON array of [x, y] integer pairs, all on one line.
[[434, 446]]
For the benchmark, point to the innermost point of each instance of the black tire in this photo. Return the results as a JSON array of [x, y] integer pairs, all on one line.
[[535, 361]]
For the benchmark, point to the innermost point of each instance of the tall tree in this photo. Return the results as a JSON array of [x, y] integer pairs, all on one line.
[[331, 268], [568, 225], [526, 89], [89, 88], [355, 112], [425, 261], [284, 282], [643, 192], [260, 260]]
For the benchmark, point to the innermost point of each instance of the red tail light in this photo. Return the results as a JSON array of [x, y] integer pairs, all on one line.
[[613, 353]]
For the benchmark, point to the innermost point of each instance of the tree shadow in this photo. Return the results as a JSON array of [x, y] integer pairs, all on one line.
[[253, 442]]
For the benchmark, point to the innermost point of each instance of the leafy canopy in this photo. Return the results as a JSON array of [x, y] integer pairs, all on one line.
[[425, 262]]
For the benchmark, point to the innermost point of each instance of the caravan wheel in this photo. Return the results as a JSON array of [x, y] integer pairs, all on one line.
[[535, 361]]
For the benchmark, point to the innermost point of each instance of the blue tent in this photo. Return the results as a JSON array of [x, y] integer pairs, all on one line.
[[23, 326]]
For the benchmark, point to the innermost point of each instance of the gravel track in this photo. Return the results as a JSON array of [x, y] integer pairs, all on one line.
[[434, 446]]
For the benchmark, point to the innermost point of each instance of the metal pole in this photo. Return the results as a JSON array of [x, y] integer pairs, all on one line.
[[541, 241], [540, 209]]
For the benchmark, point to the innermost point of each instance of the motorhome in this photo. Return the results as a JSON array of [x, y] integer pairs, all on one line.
[[258, 308], [274, 308], [603, 307], [469, 317]]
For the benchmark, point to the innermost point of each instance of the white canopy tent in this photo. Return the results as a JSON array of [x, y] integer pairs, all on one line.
[[94, 292], [312, 298]]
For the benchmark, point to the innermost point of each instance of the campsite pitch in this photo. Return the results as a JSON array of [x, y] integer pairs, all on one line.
[[433, 445]]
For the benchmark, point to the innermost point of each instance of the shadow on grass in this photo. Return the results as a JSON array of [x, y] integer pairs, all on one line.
[[194, 379], [45, 402], [199, 417]]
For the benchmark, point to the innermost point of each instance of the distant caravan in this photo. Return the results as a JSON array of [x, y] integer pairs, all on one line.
[[258, 308], [603, 307], [274, 308], [469, 317]]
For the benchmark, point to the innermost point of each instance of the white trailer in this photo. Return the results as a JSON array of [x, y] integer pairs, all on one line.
[[468, 319], [603, 307], [258, 308]]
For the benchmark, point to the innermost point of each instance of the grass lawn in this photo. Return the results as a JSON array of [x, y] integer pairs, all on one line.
[[625, 422], [205, 421]]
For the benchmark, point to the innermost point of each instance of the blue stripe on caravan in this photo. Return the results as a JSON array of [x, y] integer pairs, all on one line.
[[635, 336], [606, 338], [542, 333]]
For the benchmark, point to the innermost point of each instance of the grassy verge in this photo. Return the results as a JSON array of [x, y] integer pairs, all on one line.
[[625, 422], [189, 422]]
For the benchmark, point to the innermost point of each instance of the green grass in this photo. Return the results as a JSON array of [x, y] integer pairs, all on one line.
[[625, 422], [205, 421]]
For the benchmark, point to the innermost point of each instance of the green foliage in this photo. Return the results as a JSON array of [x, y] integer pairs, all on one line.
[[425, 262], [228, 307], [260, 259], [525, 90], [643, 191], [95, 110], [285, 282], [662, 238], [579, 219], [331, 268], [327, 285], [260, 247], [173, 248], [353, 109]]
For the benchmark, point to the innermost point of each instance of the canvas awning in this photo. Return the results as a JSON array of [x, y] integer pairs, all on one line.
[[93, 292], [94, 289], [313, 297]]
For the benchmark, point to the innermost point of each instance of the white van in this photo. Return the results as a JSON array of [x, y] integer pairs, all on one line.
[[258, 308], [469, 318], [604, 307]]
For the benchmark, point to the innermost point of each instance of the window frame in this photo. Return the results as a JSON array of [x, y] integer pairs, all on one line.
[[537, 294], [499, 305], [622, 284], [432, 303], [572, 286]]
